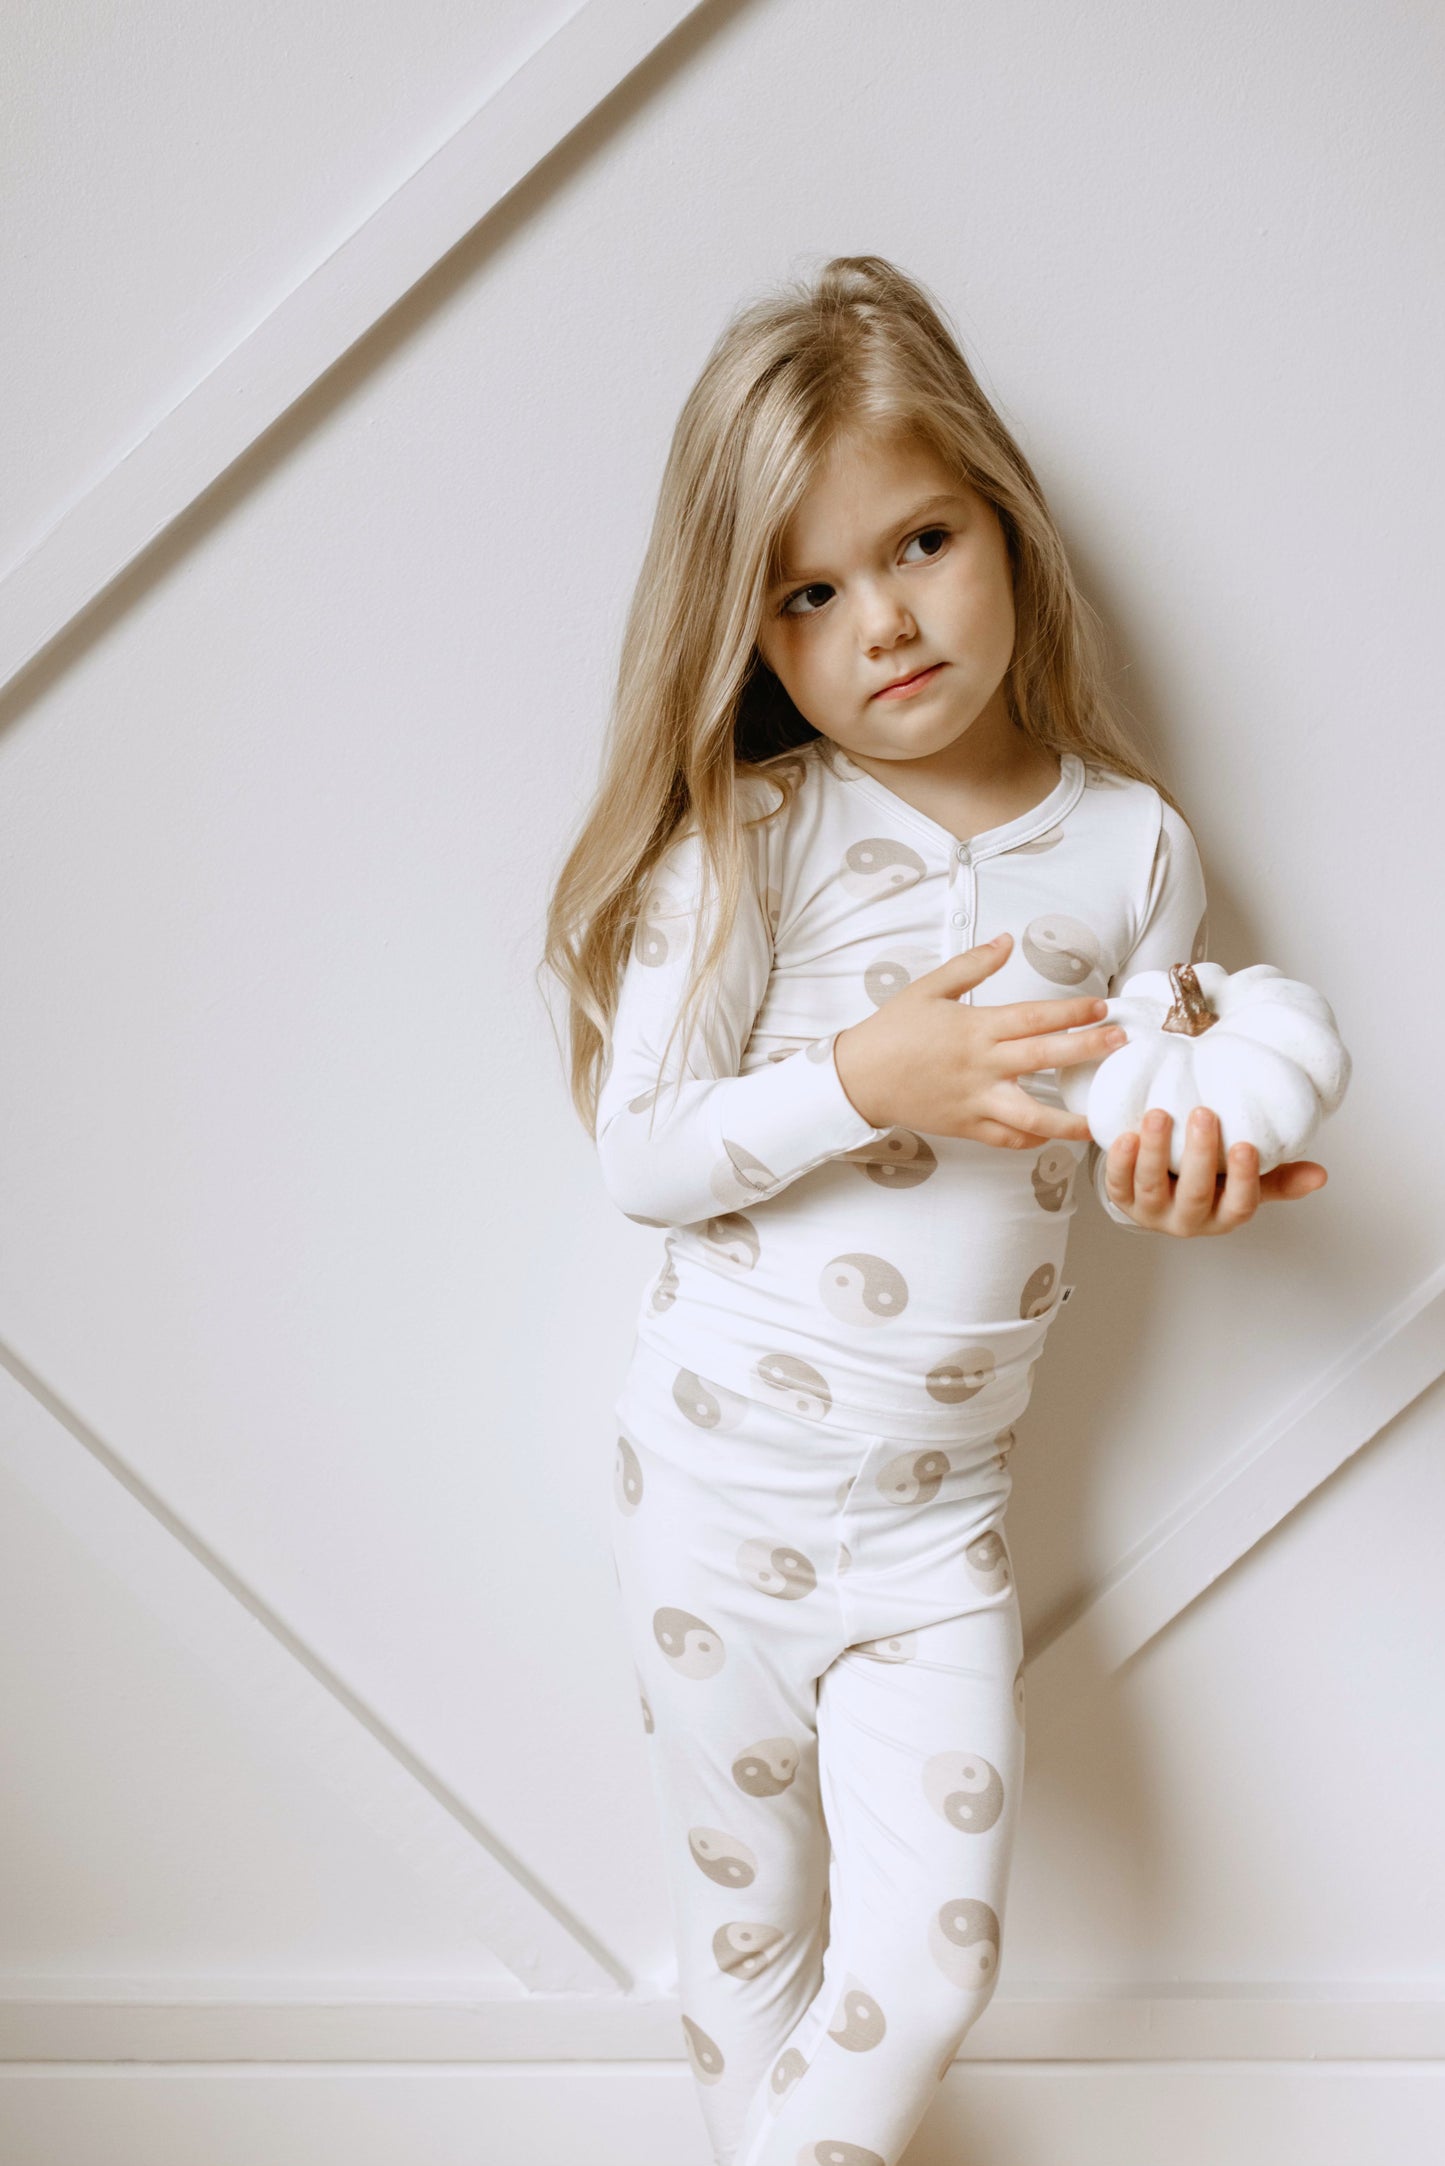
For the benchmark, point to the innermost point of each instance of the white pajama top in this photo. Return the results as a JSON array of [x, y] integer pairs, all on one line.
[[875, 1279]]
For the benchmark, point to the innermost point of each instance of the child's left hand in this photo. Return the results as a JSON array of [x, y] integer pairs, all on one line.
[[1200, 1199]]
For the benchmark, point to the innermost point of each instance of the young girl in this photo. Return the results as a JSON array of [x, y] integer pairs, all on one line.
[[863, 768]]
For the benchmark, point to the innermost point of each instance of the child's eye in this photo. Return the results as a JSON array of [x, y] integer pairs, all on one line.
[[922, 535], [787, 609]]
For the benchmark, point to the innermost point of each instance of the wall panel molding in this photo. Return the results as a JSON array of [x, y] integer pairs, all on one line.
[[1237, 2021], [1328, 1420], [334, 303], [306, 1706], [133, 1534]]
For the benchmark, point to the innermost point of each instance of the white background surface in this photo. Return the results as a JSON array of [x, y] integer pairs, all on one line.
[[295, 1218]]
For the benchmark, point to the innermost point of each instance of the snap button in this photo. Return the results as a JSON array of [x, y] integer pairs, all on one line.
[[960, 917]]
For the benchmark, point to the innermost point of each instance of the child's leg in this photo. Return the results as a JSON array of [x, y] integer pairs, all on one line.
[[725, 1532], [921, 1748]]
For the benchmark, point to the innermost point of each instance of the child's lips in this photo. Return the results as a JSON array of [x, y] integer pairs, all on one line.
[[902, 687]]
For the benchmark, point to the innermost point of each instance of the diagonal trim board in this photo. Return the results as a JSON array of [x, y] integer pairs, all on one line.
[[1375, 1379], [305, 1705], [335, 302], [134, 1535]]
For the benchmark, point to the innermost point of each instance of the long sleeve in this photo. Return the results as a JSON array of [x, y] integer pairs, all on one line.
[[1172, 929], [676, 1152]]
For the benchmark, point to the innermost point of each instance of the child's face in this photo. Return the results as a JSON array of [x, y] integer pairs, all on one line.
[[884, 580]]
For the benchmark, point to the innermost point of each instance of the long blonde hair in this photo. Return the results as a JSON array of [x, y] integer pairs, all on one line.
[[862, 345]]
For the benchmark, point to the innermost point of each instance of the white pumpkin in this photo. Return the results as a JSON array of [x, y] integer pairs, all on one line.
[[1261, 1050]]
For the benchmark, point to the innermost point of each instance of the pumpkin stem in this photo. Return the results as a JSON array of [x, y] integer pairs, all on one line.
[[1191, 1013]]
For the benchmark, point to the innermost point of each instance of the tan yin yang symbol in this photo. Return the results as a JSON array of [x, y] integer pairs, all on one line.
[[663, 924], [1038, 1290], [627, 1477], [775, 1569], [732, 1242], [832, 2152], [858, 2021], [740, 1175], [767, 1768], [742, 1949], [1049, 840], [960, 1375], [898, 1160], [988, 1561], [690, 1644], [707, 1405], [783, 2075], [880, 866], [650, 944], [913, 1477], [963, 1940], [794, 1383], [722, 1857], [702, 2052], [664, 1291], [897, 1647], [862, 1289], [888, 974], [964, 1789], [1062, 949], [1052, 1172]]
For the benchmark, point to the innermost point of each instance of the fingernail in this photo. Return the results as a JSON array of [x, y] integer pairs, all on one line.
[[1115, 1037]]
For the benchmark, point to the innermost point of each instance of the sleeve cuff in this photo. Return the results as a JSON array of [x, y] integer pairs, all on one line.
[[1097, 1161], [805, 1116]]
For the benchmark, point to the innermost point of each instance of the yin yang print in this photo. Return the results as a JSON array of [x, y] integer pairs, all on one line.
[[865, 1277], [823, 1634], [811, 1456]]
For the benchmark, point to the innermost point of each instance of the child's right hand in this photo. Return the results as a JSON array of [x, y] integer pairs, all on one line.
[[929, 1061]]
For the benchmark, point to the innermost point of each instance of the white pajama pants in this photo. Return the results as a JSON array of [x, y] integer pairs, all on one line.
[[826, 1633]]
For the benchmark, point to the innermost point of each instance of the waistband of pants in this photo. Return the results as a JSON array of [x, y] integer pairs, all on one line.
[[982, 1416]]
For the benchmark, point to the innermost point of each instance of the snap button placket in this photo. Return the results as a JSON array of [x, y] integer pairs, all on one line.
[[963, 873]]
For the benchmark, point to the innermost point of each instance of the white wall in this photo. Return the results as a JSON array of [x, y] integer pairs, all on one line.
[[321, 1737]]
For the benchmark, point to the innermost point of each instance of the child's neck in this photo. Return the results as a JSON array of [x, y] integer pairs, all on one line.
[[987, 777]]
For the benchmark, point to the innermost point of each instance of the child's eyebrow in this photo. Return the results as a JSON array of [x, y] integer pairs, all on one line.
[[785, 576]]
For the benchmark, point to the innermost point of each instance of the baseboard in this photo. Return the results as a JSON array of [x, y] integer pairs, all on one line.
[[211, 2023]]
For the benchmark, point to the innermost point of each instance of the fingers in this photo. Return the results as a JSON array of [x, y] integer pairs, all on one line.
[[1194, 1203], [1299, 1177], [1019, 1111], [1119, 1165], [1194, 1194], [1059, 1048], [1004, 1137], [1027, 1018], [1151, 1167]]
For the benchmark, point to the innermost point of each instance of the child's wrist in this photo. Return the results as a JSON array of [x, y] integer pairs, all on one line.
[[860, 1086]]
